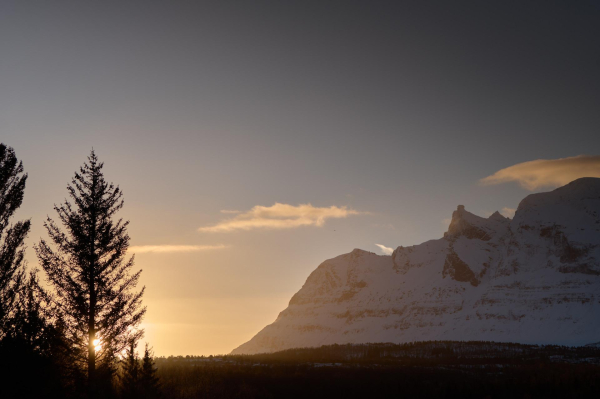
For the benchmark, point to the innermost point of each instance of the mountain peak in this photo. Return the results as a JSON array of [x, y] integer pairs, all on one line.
[[471, 226], [572, 209], [498, 217]]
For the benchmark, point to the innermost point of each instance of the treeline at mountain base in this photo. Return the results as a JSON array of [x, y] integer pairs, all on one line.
[[416, 370]]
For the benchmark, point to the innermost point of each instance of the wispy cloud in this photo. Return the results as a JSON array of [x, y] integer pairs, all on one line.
[[140, 249], [385, 250], [446, 222], [508, 212], [280, 216], [230, 211], [547, 172]]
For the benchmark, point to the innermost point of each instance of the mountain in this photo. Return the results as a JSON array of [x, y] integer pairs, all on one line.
[[534, 279]]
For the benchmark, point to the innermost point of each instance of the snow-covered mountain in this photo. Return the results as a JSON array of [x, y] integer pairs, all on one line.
[[532, 279]]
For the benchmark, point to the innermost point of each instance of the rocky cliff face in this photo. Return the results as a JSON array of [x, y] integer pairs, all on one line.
[[532, 279]]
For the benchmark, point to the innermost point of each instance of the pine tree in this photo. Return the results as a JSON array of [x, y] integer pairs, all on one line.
[[130, 379], [12, 250], [94, 289], [149, 381]]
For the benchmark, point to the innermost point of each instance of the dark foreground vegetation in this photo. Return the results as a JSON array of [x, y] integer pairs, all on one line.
[[71, 332], [417, 370]]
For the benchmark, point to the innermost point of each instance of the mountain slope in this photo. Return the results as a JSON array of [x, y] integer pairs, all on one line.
[[533, 279]]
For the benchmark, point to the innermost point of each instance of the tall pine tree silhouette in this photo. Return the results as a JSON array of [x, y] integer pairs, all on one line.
[[149, 381], [94, 288], [12, 251]]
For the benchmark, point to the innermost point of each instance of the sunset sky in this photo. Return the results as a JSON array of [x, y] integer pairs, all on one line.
[[254, 140]]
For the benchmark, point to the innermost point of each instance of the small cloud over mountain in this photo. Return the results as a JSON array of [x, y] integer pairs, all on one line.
[[385, 250], [508, 212], [542, 173], [280, 216]]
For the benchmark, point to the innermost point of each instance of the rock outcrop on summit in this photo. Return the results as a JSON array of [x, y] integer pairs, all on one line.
[[533, 279]]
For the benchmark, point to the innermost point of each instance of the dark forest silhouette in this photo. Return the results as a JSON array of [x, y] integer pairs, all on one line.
[[71, 335], [438, 369]]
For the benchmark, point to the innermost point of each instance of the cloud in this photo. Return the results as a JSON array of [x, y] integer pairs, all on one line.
[[140, 249], [508, 212], [230, 211], [547, 172], [385, 250], [446, 222], [280, 216]]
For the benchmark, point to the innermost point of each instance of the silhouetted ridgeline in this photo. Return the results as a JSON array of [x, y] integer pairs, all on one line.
[[442, 369]]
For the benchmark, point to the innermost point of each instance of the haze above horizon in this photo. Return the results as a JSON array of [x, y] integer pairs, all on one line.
[[254, 141]]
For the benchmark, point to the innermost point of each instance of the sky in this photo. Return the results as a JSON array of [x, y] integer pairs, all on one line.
[[254, 140]]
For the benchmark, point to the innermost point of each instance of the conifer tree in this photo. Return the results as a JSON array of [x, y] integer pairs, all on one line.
[[12, 250], [149, 381], [94, 288], [130, 380]]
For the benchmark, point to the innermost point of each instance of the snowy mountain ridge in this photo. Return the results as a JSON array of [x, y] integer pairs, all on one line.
[[533, 279]]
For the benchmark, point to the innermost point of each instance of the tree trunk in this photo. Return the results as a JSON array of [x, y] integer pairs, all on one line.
[[92, 338], [91, 357], [92, 288]]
